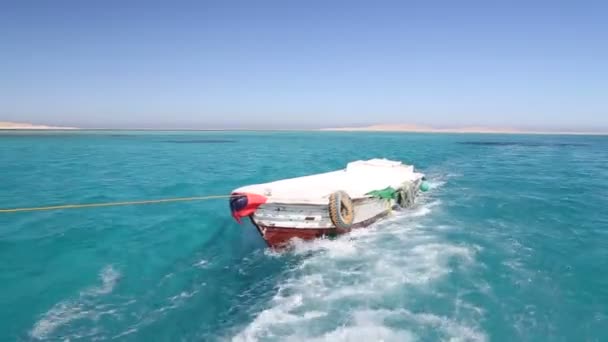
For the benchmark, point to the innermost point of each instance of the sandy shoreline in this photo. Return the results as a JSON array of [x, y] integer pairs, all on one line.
[[461, 130], [4, 125], [14, 126]]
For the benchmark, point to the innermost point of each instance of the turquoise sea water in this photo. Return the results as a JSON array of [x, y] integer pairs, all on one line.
[[510, 244]]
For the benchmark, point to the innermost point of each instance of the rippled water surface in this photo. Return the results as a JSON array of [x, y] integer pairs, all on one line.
[[510, 244]]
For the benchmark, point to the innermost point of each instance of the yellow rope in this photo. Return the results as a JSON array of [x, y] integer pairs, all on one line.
[[112, 204]]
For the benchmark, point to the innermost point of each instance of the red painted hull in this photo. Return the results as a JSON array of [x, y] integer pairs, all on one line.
[[280, 236], [276, 236]]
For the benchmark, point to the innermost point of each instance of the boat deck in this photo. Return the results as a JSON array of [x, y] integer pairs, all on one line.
[[357, 179]]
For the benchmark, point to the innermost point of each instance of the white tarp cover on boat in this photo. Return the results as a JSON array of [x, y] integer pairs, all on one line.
[[357, 179]]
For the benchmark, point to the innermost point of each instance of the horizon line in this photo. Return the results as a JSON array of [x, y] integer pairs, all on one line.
[[395, 128]]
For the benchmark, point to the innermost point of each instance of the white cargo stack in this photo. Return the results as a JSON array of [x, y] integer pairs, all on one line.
[[357, 179]]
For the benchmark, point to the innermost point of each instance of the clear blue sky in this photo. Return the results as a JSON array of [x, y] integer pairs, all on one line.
[[283, 63]]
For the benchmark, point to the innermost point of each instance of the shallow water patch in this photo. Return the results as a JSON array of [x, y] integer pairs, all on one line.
[[521, 143], [201, 141]]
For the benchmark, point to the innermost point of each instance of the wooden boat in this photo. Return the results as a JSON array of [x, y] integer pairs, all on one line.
[[327, 204]]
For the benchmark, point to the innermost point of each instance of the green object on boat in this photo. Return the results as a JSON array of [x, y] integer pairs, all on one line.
[[424, 186], [386, 193]]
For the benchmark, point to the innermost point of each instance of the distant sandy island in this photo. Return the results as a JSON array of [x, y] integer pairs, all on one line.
[[21, 125], [6, 125], [471, 129]]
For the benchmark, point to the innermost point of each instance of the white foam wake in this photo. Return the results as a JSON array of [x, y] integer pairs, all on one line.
[[362, 286], [78, 308]]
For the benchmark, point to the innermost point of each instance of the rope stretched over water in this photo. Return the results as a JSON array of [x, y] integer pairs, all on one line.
[[113, 204]]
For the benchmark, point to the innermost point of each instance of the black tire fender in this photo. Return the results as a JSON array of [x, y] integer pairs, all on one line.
[[341, 210]]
